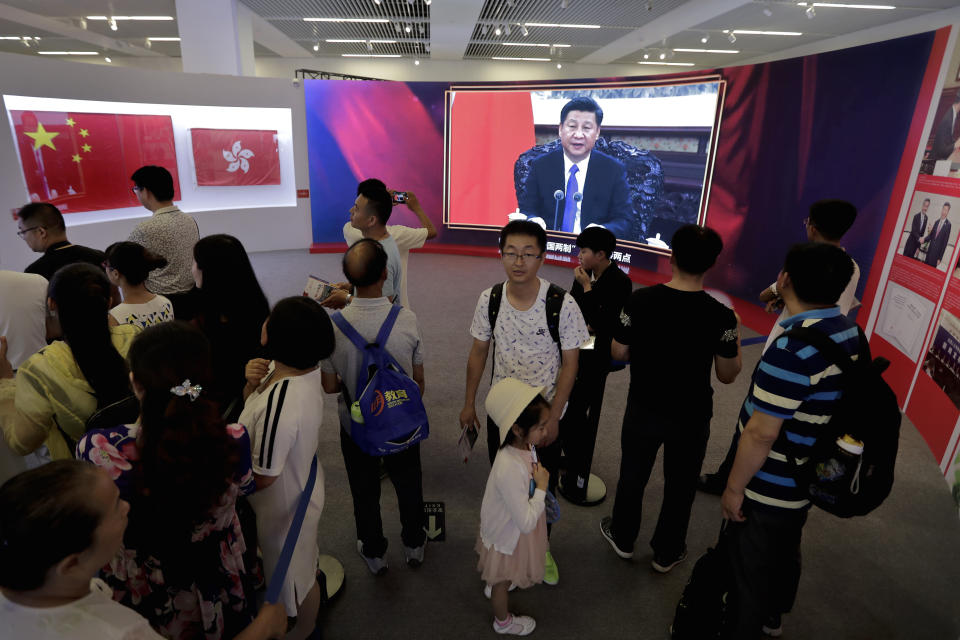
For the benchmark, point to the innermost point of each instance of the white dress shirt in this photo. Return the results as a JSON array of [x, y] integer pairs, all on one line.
[[581, 179]]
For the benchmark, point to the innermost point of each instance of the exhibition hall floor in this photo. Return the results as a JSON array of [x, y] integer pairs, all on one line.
[[892, 574]]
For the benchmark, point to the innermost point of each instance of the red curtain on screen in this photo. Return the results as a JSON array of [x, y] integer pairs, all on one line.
[[235, 157], [489, 129], [83, 161]]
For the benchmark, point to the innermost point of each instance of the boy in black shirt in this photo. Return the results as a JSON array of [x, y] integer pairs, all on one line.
[[672, 334], [601, 290]]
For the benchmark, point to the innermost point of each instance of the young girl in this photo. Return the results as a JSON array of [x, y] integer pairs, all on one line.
[[513, 527], [128, 264]]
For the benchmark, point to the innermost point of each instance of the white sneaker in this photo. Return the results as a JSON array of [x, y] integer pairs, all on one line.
[[488, 590], [377, 566], [414, 555], [516, 626]]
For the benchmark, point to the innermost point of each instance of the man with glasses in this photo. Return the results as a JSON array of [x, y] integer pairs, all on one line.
[[524, 346], [170, 233], [41, 226]]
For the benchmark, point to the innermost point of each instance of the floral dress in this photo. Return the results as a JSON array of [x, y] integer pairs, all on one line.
[[218, 603]]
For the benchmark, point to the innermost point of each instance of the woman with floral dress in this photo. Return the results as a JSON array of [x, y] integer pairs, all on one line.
[[181, 468]]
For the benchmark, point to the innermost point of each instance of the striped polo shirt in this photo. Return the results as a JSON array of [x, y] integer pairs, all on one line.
[[795, 382]]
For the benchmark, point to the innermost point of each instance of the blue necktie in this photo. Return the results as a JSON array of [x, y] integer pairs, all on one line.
[[570, 206]]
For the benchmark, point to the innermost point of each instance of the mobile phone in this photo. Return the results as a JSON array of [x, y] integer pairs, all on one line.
[[533, 483], [533, 453], [399, 197]]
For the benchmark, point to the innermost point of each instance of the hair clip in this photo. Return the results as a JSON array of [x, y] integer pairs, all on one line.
[[186, 389]]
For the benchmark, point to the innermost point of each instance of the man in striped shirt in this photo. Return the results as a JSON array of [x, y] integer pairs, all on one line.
[[794, 392]]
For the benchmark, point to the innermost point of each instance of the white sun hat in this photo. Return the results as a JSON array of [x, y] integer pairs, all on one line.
[[507, 400]]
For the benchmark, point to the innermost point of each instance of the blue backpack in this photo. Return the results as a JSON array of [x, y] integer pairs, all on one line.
[[391, 412]]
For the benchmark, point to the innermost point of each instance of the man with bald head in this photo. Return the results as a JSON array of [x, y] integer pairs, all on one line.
[[365, 267]]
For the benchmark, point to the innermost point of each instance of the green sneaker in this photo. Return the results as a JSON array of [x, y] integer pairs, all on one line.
[[551, 575]]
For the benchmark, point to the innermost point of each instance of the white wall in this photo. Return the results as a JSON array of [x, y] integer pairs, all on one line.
[[262, 229]]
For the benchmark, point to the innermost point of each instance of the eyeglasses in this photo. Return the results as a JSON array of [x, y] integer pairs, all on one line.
[[135, 189], [24, 232], [510, 256]]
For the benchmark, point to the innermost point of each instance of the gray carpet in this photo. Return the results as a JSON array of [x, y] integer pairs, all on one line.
[[889, 575]]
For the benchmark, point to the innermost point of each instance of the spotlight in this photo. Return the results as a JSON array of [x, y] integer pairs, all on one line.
[[369, 46], [524, 30], [107, 59], [646, 56], [83, 23], [26, 42], [427, 2], [811, 12], [408, 28], [421, 29], [552, 50], [506, 29], [663, 56], [705, 39], [113, 24], [732, 37], [416, 62], [377, 1], [148, 44], [649, 5], [559, 66], [767, 11], [426, 47], [497, 31], [316, 47], [396, 27], [564, 4]]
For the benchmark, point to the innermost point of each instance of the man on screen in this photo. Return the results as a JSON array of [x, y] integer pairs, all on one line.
[[938, 237], [917, 228], [600, 180]]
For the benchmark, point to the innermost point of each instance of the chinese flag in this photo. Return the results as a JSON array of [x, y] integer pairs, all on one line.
[[489, 130], [235, 157], [83, 161]]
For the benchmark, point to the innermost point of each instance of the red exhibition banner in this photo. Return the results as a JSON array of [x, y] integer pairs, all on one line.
[[235, 157], [83, 161]]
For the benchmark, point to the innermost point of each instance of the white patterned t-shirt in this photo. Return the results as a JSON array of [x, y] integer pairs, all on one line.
[[523, 347], [144, 314]]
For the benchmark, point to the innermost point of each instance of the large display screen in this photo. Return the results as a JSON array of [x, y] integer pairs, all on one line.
[[642, 152]]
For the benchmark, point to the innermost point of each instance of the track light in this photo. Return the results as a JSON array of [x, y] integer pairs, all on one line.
[[148, 44], [811, 12], [316, 47], [113, 24], [408, 28], [559, 66], [524, 30], [369, 46], [107, 59], [396, 27], [731, 37], [497, 31], [416, 62], [484, 28], [427, 2], [705, 39], [377, 1]]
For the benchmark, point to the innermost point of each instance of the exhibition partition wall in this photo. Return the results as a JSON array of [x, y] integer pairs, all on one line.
[[757, 145]]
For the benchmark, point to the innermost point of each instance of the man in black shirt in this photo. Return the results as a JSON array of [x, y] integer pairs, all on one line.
[[672, 334], [41, 226], [601, 290]]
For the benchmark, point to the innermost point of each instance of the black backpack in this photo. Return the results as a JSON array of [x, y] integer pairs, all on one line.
[[840, 483], [707, 609], [555, 295]]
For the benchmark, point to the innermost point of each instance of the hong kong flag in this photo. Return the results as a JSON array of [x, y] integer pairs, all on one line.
[[235, 157], [83, 161]]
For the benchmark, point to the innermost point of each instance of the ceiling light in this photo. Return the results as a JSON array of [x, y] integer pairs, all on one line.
[[16, 38], [129, 17], [707, 50], [416, 62], [732, 38], [646, 56], [164, 39], [497, 31], [375, 20], [407, 28], [750, 32], [370, 55], [377, 1], [767, 11], [705, 39], [524, 59], [113, 24], [316, 47], [68, 53], [107, 59], [148, 44], [564, 4], [427, 2], [669, 64], [369, 46], [811, 12], [663, 56], [559, 66], [506, 29], [842, 5], [524, 30], [563, 26]]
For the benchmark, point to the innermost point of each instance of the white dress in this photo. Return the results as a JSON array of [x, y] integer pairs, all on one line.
[[93, 617], [284, 426]]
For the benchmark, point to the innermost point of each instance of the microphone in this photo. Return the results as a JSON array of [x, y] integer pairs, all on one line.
[[558, 196]]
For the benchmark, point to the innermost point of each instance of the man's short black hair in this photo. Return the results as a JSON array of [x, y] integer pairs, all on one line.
[[946, 204], [156, 180], [695, 248], [597, 239], [379, 198], [371, 183], [582, 103], [926, 200], [832, 218], [524, 228], [42, 214], [364, 262], [819, 272], [299, 333]]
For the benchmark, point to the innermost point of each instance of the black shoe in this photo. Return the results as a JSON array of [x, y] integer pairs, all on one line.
[[663, 564], [607, 533], [711, 483], [773, 627]]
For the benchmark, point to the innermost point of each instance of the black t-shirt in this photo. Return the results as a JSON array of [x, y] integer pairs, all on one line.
[[673, 336], [64, 253]]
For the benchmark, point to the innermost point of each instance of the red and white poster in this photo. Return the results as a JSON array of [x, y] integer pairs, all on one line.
[[83, 161], [235, 157]]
